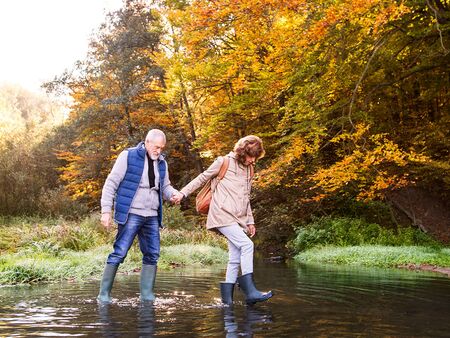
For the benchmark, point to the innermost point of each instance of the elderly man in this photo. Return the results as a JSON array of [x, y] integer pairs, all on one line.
[[137, 184]]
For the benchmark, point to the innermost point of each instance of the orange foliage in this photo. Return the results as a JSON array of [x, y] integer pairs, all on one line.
[[370, 168]]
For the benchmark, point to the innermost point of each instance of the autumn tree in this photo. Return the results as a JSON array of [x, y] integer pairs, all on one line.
[[27, 161], [115, 97], [351, 97]]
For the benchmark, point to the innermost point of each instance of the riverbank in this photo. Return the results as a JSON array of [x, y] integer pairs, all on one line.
[[405, 257], [350, 241], [48, 250]]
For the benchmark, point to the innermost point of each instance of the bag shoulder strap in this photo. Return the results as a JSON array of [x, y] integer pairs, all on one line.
[[252, 171], [223, 167]]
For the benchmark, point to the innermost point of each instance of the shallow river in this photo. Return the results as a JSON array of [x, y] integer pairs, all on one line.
[[309, 301]]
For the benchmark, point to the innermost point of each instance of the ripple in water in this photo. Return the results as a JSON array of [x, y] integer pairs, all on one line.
[[309, 301]]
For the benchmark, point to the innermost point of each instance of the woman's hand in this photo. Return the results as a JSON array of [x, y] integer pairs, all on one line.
[[251, 230], [177, 197]]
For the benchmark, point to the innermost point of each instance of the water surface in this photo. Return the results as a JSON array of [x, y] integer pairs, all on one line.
[[310, 301]]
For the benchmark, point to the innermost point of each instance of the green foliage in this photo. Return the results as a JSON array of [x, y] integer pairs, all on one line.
[[187, 229], [45, 247], [30, 267], [51, 235], [350, 232], [174, 218], [44, 250], [275, 214], [81, 237], [377, 255], [40, 264], [203, 236], [19, 274], [187, 254], [56, 203], [378, 212], [41, 234]]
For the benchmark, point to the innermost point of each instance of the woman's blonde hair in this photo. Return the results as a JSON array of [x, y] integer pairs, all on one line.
[[250, 145]]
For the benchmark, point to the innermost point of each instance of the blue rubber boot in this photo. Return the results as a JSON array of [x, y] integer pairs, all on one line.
[[252, 295], [148, 276], [106, 284], [226, 292]]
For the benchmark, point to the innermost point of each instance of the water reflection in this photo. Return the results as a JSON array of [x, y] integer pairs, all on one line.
[[111, 319], [310, 301], [146, 317], [109, 326], [253, 320]]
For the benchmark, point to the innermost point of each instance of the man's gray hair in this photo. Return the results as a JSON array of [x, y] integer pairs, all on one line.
[[155, 134]]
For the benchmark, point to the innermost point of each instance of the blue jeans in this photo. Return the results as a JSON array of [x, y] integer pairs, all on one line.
[[147, 229]]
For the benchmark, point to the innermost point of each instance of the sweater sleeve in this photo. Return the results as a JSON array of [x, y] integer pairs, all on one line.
[[201, 179], [113, 180], [167, 190]]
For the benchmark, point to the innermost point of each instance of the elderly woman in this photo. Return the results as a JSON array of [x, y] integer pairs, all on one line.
[[230, 214]]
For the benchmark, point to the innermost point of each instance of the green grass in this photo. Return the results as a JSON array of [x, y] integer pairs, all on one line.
[[46, 250], [17, 233], [20, 232], [187, 254], [170, 237], [344, 231], [353, 241], [28, 267], [377, 255]]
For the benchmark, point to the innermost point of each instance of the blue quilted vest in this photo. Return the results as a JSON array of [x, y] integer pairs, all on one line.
[[130, 183]]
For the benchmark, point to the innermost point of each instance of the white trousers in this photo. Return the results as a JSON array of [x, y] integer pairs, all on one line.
[[240, 252]]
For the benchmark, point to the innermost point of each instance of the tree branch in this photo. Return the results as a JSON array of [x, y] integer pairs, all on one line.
[[377, 46], [437, 26]]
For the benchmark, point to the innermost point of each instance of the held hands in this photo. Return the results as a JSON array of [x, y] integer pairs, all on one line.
[[176, 197], [106, 220], [251, 230]]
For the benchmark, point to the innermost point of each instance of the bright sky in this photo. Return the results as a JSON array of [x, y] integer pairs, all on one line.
[[41, 38]]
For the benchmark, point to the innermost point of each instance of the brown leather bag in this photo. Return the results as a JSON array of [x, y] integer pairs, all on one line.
[[203, 199]]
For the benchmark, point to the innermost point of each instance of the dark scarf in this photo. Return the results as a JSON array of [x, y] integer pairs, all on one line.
[[151, 172]]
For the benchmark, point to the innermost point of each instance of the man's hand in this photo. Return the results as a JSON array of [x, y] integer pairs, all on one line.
[[106, 220], [251, 230], [176, 197]]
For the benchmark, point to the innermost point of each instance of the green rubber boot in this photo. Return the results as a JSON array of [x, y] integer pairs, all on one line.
[[226, 292], [148, 276], [252, 294], [109, 274]]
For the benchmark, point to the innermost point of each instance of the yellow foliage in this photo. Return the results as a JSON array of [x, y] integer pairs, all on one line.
[[371, 167], [286, 163]]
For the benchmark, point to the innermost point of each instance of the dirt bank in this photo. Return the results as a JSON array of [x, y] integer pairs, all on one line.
[[427, 267]]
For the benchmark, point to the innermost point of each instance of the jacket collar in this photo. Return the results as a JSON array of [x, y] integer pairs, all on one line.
[[232, 154]]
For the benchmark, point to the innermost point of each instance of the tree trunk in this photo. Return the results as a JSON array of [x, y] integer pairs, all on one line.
[[186, 144], [129, 124], [190, 121]]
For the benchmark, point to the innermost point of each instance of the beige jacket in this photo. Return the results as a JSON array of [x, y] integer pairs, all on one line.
[[231, 198]]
